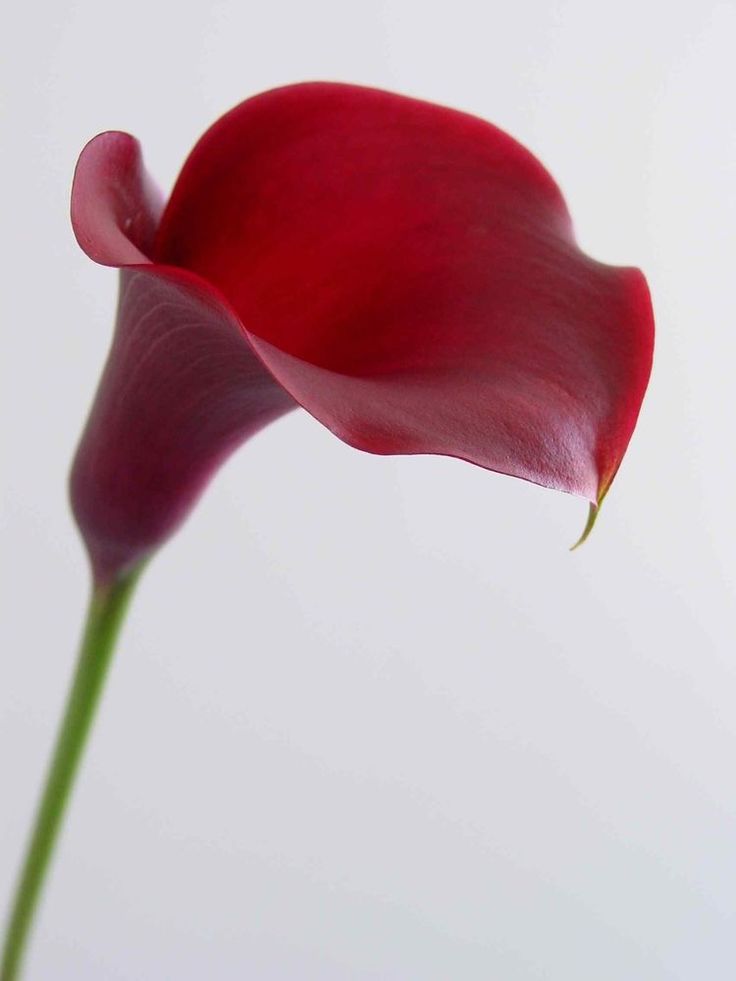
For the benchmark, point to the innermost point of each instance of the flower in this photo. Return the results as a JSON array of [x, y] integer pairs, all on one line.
[[405, 272]]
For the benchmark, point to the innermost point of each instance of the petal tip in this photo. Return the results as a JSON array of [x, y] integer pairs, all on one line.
[[594, 509]]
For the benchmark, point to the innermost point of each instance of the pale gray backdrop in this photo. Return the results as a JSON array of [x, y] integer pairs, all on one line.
[[370, 720]]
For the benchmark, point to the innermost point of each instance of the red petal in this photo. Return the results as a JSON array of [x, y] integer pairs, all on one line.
[[406, 272], [116, 207], [409, 273], [182, 387]]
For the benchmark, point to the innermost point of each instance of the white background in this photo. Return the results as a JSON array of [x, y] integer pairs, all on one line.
[[370, 719]]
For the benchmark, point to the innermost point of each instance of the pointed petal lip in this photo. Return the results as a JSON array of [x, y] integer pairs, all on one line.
[[130, 243]]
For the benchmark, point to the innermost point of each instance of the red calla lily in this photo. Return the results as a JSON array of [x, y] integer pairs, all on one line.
[[405, 272]]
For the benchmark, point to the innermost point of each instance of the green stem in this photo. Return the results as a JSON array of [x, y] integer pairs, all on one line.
[[104, 618]]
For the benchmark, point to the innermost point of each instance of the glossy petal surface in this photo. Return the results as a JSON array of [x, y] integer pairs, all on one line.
[[409, 273], [405, 272]]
